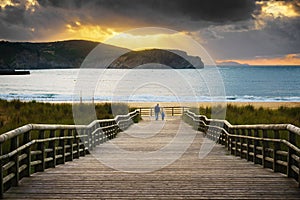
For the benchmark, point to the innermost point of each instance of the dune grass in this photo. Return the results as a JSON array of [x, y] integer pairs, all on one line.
[[251, 115], [15, 113]]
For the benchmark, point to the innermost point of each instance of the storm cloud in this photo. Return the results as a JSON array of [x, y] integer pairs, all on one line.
[[48, 17], [207, 10]]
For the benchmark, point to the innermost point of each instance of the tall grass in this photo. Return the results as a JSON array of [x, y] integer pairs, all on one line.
[[251, 115], [15, 113]]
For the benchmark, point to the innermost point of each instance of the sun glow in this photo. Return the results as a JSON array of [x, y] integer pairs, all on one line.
[[97, 33], [149, 41]]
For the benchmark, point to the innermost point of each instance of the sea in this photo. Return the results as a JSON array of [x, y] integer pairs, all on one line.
[[226, 83]]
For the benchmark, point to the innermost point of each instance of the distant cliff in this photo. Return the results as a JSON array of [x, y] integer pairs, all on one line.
[[70, 54], [230, 63], [25, 55], [157, 58]]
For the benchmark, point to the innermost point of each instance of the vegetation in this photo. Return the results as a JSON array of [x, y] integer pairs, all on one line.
[[251, 115], [15, 113], [25, 55]]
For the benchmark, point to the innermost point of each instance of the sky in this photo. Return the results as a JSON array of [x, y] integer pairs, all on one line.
[[256, 32]]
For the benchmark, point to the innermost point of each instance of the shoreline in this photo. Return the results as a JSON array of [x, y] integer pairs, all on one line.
[[257, 104], [270, 105]]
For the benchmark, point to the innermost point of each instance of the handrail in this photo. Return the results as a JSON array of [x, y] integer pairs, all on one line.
[[169, 110], [275, 146], [35, 147]]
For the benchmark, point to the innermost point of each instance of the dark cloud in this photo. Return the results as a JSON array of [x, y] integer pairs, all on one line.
[[278, 37], [14, 32], [217, 10], [206, 10], [121, 14], [13, 15], [68, 4]]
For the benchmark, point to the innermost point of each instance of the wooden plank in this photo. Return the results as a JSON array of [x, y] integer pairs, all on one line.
[[217, 176]]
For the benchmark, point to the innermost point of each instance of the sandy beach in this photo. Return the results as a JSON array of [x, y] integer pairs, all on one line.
[[270, 105]]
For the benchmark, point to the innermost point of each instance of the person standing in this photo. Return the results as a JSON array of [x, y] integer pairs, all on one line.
[[162, 114], [156, 111]]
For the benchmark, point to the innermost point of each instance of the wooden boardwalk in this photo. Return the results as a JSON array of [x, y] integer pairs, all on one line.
[[217, 176]]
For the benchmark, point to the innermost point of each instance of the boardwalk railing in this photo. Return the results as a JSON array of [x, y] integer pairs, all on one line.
[[169, 111], [275, 146], [35, 147]]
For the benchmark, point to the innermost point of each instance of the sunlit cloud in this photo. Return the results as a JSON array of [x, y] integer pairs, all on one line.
[[91, 32], [4, 3], [278, 9], [289, 59], [30, 5], [275, 10]]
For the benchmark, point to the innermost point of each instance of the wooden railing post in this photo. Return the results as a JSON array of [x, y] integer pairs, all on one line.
[[264, 146], [249, 133], [88, 136], [276, 148], [291, 139], [1, 173], [77, 141], [242, 142], [41, 156], [228, 139], [14, 144], [83, 139], [255, 144], [52, 144], [97, 136], [101, 136], [26, 139], [62, 146], [93, 143], [70, 142], [236, 142], [232, 143], [90, 139]]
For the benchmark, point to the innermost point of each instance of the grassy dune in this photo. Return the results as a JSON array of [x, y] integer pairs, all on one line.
[[258, 115], [16, 113]]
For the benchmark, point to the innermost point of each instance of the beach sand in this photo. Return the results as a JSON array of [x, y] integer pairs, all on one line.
[[271, 105]]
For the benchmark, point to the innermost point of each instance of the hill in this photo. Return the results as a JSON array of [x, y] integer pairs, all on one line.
[[71, 54], [156, 58], [25, 55]]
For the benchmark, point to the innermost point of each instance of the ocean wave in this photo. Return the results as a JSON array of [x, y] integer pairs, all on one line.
[[248, 98], [146, 98]]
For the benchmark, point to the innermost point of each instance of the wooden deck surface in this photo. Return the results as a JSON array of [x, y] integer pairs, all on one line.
[[217, 176]]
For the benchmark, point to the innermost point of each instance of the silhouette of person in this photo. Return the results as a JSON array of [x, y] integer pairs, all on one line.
[[162, 115], [156, 111]]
